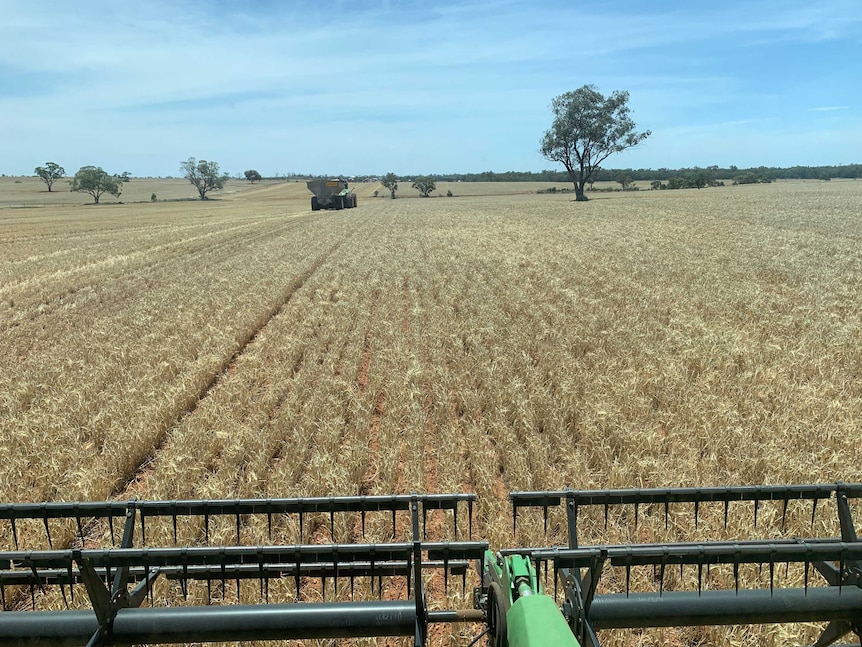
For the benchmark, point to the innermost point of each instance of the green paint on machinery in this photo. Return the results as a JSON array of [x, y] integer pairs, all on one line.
[[113, 574], [518, 612]]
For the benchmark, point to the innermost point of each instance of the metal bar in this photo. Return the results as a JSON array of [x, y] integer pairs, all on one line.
[[224, 555], [762, 552], [227, 555], [677, 609], [642, 496], [62, 576], [200, 507], [214, 623], [456, 615]]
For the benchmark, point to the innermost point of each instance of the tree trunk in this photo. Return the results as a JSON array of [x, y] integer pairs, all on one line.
[[579, 181]]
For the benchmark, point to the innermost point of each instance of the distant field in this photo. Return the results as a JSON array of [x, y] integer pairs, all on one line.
[[249, 347]]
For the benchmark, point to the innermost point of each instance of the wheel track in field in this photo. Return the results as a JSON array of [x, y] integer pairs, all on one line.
[[145, 462], [117, 266], [92, 533]]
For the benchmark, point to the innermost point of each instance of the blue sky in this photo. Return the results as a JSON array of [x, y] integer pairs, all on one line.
[[372, 86]]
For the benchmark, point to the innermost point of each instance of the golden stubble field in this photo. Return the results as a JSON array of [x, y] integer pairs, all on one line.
[[246, 347]]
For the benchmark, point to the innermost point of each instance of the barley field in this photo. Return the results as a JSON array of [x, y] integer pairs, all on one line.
[[247, 347]]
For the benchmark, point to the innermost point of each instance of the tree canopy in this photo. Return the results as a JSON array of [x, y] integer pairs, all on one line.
[[96, 181], [425, 184], [50, 173], [390, 181], [205, 176], [253, 176], [587, 129]]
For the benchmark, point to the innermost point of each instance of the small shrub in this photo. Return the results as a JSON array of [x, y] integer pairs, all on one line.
[[17, 181], [375, 193], [154, 198], [449, 193]]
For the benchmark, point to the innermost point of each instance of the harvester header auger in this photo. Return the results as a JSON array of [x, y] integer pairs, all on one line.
[[687, 557]]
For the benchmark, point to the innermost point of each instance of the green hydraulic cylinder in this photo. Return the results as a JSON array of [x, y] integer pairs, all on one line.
[[535, 621], [533, 618]]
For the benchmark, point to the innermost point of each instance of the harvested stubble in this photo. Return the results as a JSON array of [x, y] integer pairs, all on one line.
[[507, 343]]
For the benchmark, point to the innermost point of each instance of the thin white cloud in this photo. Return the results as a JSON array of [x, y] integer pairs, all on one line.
[[179, 77], [828, 108]]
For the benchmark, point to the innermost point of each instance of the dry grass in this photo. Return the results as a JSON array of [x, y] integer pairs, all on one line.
[[247, 347]]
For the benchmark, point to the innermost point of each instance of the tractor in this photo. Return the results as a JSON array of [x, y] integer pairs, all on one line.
[[331, 194]]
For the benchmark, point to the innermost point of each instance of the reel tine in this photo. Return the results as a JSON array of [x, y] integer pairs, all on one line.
[[696, 512], [174, 524], [296, 577], [238, 541], [362, 518], [372, 571], [667, 514], [636, 515], [813, 511], [80, 527], [14, 533], [736, 576], [3, 597], [335, 573], [606, 515], [784, 514], [455, 520], [756, 506], [148, 585], [545, 518], [726, 510], [661, 578], [47, 530], [206, 527], [301, 534], [223, 579], [628, 575], [111, 528], [424, 522], [470, 519], [63, 593], [260, 573], [771, 575], [184, 581], [514, 520]]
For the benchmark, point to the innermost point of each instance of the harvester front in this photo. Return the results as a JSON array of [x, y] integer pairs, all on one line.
[[127, 576]]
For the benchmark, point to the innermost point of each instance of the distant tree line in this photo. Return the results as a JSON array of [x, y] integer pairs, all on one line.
[[766, 173], [746, 175]]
